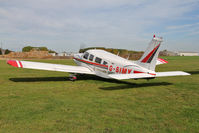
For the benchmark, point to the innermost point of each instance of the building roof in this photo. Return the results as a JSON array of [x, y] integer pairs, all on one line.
[[187, 52]]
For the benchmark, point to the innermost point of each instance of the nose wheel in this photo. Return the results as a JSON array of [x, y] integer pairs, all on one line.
[[73, 77]]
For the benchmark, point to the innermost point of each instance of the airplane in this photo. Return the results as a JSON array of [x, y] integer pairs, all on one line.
[[107, 65]]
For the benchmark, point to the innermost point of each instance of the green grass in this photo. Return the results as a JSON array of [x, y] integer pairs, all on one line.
[[42, 101]]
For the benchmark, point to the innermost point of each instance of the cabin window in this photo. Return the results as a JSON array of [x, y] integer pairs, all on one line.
[[91, 57], [98, 60], [105, 63], [86, 55]]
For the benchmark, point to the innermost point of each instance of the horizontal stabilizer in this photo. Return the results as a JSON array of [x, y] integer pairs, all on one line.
[[49, 67], [172, 73], [130, 76], [161, 61]]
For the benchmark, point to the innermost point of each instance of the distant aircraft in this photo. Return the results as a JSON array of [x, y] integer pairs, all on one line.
[[107, 65]]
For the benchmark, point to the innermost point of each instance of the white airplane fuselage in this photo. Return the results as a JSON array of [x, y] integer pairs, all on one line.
[[103, 63]]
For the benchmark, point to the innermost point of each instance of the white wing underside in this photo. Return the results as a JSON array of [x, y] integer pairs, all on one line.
[[172, 73], [140, 76], [56, 67], [130, 76]]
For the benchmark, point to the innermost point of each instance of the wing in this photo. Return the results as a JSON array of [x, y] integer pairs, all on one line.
[[50, 67], [130, 76], [172, 73], [161, 61], [145, 75]]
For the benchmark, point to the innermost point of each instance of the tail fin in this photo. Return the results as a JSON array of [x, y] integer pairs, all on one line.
[[149, 58]]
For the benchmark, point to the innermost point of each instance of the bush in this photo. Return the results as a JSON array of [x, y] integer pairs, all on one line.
[[42, 48], [7, 51], [51, 51], [27, 49]]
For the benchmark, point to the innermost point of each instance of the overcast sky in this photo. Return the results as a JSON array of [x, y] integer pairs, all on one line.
[[65, 25]]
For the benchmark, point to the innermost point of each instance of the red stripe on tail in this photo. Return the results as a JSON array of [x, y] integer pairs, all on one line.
[[162, 60], [149, 55]]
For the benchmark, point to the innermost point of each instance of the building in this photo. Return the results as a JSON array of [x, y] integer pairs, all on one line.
[[188, 53], [168, 53], [62, 54], [71, 53], [66, 54], [53, 54]]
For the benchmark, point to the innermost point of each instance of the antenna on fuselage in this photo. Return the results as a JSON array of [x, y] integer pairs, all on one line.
[[118, 53], [128, 56]]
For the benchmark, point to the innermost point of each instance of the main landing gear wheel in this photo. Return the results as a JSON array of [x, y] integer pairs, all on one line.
[[73, 77]]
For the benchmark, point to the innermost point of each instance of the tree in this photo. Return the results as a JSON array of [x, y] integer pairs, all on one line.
[[7, 51], [43, 49], [123, 52], [27, 49], [82, 50], [51, 51], [109, 50], [115, 51]]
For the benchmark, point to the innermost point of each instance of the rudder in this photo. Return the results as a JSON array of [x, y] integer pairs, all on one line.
[[149, 58]]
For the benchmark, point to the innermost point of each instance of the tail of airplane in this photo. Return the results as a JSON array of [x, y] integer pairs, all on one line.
[[149, 58]]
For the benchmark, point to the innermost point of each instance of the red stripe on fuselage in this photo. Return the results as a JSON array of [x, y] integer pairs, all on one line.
[[152, 73], [92, 63], [20, 64], [143, 72], [149, 55], [138, 72]]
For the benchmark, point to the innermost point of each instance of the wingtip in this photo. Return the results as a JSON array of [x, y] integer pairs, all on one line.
[[12, 63], [187, 73]]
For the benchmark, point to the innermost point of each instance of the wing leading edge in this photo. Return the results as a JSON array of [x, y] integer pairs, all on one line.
[[50, 67]]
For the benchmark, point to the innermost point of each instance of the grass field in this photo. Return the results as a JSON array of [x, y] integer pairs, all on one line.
[[42, 101]]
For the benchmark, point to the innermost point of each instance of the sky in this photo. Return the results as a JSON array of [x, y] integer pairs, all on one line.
[[67, 25]]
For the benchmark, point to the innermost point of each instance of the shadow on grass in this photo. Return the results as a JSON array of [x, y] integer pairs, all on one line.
[[135, 85], [127, 85], [79, 77], [193, 72], [39, 79]]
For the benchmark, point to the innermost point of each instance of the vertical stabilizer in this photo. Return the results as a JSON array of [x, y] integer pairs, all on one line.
[[149, 58]]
